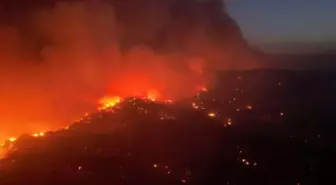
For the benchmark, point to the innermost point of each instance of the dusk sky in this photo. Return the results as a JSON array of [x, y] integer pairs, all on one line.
[[264, 21]]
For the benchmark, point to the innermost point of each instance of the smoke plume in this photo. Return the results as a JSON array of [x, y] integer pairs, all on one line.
[[58, 58]]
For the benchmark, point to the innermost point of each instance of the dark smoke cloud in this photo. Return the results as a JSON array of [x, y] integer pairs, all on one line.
[[59, 57]]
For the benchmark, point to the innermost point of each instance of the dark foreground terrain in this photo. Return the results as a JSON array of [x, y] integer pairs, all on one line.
[[256, 127]]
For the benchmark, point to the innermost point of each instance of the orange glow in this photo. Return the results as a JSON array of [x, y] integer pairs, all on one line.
[[249, 107], [12, 139], [212, 115], [195, 106], [153, 94], [108, 102], [155, 84], [70, 75], [40, 134], [229, 122], [202, 88], [105, 103], [169, 101]]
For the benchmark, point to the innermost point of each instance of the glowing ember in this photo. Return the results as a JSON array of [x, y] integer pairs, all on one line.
[[151, 98], [40, 134], [195, 106], [212, 115], [249, 107], [202, 89], [229, 122]]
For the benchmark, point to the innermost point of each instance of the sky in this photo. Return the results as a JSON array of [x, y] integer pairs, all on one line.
[[264, 21]]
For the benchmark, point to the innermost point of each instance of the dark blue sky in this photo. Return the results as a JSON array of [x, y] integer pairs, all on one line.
[[285, 20]]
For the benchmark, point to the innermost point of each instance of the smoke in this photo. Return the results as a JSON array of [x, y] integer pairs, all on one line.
[[58, 60]]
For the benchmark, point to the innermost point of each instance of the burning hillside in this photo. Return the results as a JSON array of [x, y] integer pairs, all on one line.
[[218, 136]]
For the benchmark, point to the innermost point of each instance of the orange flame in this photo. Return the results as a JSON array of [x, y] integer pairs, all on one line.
[[104, 103], [108, 102]]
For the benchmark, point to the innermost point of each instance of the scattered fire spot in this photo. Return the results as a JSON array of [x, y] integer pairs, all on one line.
[[249, 107], [108, 102], [12, 139], [212, 115]]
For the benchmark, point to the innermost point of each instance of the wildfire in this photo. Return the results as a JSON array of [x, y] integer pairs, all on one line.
[[202, 89], [249, 107], [12, 139], [212, 114], [108, 102], [194, 105], [153, 94], [229, 122], [40, 134], [104, 103]]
